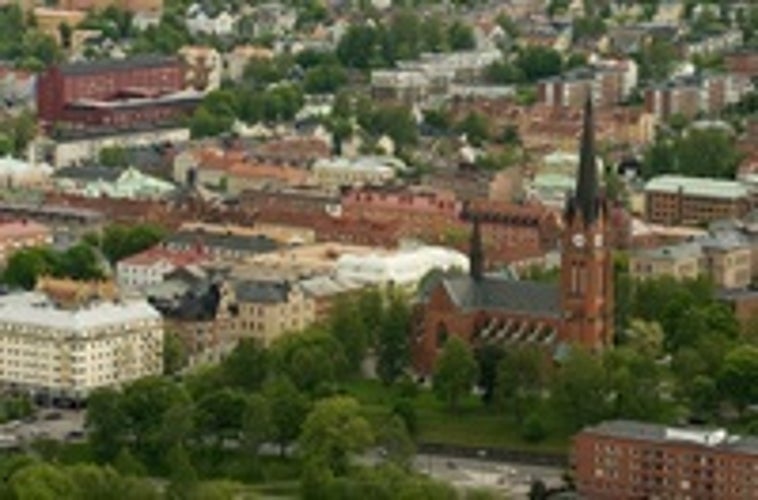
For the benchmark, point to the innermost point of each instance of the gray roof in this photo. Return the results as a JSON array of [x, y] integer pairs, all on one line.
[[262, 291], [143, 61], [673, 252], [89, 173], [497, 293], [696, 436], [235, 242]]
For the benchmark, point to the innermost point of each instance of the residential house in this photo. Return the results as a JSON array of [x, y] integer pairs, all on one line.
[[199, 22], [151, 266]]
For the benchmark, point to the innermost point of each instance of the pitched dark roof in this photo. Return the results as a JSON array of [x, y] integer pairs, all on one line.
[[132, 63], [89, 173], [497, 293], [235, 242], [199, 303], [262, 292]]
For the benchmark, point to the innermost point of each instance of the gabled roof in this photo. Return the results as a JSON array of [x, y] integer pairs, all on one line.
[[494, 293]]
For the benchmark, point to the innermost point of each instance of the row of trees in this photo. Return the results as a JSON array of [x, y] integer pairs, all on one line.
[[22, 42]]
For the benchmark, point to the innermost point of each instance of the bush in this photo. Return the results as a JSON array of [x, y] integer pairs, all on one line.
[[533, 429]]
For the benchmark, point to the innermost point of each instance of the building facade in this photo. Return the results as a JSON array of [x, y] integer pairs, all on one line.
[[482, 308], [115, 93], [620, 460], [15, 235], [66, 339], [680, 200]]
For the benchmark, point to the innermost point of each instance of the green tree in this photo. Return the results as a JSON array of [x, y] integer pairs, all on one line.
[[175, 355], [361, 47], [219, 415], [127, 464], [393, 349], [257, 425], [246, 367], [334, 430], [325, 79], [396, 443], [26, 265], [538, 62], [579, 391], [348, 327], [182, 474], [113, 156], [313, 360], [287, 407], [118, 241], [460, 36], [42, 482], [455, 372], [738, 378], [521, 379], [476, 127], [107, 423]]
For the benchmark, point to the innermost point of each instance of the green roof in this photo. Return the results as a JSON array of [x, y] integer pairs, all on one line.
[[698, 186]]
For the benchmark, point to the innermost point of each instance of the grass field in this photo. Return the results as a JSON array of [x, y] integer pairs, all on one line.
[[472, 425]]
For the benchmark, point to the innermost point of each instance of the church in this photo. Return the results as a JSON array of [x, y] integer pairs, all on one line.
[[485, 308]]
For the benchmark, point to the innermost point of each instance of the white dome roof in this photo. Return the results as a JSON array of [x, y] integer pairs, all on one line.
[[404, 267]]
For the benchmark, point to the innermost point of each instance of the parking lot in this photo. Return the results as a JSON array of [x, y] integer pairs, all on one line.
[[59, 425]]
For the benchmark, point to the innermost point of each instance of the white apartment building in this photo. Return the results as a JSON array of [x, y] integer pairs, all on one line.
[[62, 348]]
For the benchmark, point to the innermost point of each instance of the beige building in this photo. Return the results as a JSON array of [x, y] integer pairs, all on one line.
[[727, 263], [204, 67], [678, 261], [68, 338], [269, 309]]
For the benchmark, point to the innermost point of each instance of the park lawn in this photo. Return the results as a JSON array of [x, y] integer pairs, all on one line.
[[472, 425]]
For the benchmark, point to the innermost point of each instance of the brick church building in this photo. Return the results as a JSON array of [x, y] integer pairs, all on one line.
[[484, 308]]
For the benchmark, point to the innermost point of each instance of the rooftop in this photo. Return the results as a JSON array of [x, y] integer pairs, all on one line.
[[132, 63], [496, 293], [698, 186], [703, 437], [38, 309]]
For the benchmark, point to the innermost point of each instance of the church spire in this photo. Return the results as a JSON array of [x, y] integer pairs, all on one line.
[[476, 252], [586, 196]]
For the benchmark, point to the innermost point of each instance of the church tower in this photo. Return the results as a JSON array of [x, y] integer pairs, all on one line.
[[586, 259]]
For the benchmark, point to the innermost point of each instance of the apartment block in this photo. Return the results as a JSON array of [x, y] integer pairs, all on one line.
[[680, 200], [618, 460], [67, 338]]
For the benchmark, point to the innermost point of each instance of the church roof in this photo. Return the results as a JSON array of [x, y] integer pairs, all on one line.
[[497, 293]]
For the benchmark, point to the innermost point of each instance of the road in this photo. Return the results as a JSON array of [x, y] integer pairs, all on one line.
[[513, 480]]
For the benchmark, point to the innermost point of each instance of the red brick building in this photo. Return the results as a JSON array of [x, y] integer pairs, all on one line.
[[743, 63], [114, 93], [484, 309], [428, 214], [512, 232], [622, 460]]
